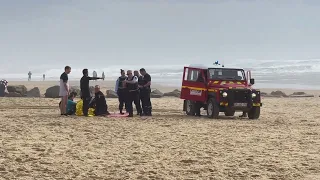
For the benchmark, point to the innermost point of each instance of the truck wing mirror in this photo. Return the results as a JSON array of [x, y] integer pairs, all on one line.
[[252, 81]]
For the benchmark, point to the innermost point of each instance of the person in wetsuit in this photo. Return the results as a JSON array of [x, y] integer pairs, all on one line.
[[85, 90], [120, 89], [132, 89], [137, 101], [145, 91], [100, 103]]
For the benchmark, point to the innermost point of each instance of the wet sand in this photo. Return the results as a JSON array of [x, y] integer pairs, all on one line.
[[36, 143]]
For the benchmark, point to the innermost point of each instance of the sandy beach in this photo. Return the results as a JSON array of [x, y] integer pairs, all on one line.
[[37, 143]]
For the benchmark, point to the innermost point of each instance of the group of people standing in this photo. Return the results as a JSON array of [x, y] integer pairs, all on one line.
[[130, 87], [98, 101], [134, 87]]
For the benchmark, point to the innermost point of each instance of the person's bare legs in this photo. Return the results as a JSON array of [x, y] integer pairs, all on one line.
[[63, 106]]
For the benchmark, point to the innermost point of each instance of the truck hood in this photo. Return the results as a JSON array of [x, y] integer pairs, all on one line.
[[229, 84]]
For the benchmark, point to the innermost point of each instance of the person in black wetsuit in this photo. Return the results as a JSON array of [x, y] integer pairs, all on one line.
[[132, 90], [120, 89], [85, 90], [145, 91]]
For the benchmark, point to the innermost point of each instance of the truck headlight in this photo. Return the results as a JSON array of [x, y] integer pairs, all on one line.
[[253, 95], [224, 94]]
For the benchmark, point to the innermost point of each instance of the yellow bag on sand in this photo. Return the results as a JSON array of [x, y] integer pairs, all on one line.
[[79, 111]]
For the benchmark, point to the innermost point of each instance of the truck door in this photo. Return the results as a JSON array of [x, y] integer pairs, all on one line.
[[194, 86]]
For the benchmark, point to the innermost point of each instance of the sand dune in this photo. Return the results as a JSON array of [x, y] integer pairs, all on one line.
[[36, 143]]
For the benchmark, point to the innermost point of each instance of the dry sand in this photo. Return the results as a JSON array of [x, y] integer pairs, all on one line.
[[36, 143]]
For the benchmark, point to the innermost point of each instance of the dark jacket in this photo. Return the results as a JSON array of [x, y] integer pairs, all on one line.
[[2, 90], [100, 104], [84, 86]]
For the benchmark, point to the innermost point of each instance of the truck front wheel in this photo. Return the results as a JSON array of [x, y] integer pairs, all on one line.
[[212, 109], [254, 113]]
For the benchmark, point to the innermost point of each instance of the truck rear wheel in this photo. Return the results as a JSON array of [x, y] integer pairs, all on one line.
[[212, 109], [254, 113], [190, 108]]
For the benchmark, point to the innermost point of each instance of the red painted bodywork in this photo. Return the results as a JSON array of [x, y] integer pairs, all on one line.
[[210, 86]]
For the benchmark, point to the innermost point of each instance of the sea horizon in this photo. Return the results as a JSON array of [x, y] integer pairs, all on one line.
[[292, 74]]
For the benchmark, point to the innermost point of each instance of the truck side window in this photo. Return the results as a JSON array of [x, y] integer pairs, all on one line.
[[193, 75]]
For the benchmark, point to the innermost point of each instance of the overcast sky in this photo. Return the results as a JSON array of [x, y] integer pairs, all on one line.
[[59, 32]]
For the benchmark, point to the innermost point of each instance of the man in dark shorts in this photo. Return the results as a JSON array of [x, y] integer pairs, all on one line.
[[85, 90], [145, 91], [64, 90]]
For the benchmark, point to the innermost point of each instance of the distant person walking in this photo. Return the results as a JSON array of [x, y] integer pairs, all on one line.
[[103, 76], [44, 77], [95, 75], [85, 90], [64, 90], [29, 76]]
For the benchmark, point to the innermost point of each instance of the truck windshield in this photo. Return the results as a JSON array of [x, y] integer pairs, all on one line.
[[226, 74]]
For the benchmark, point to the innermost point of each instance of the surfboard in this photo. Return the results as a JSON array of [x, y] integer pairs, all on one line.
[[117, 115]]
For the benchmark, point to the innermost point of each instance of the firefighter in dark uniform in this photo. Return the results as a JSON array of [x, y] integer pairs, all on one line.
[[145, 91], [121, 90], [132, 91], [137, 101]]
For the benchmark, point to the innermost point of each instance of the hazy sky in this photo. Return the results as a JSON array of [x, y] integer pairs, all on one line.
[[59, 32]]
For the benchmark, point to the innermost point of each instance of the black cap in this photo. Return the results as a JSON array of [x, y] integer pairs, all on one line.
[[142, 69]]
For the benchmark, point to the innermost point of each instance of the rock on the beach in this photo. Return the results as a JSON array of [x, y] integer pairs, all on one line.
[[52, 92], [13, 94], [111, 94], [75, 89], [174, 93], [278, 94], [21, 89], [263, 94], [300, 94], [34, 92], [156, 94]]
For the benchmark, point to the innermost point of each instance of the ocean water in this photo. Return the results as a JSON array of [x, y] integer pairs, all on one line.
[[297, 74]]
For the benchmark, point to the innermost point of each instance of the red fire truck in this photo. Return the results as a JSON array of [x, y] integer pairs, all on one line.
[[219, 89]]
